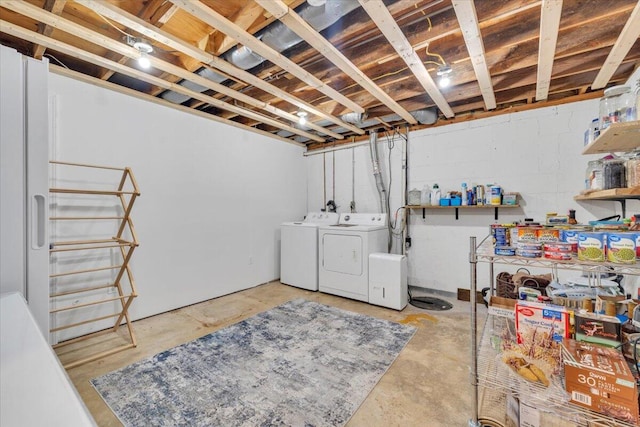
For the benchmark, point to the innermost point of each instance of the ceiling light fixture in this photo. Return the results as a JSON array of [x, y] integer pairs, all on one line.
[[302, 117], [443, 72], [142, 46], [316, 2]]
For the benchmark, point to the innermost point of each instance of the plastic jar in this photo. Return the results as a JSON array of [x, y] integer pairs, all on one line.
[[614, 173], [593, 177], [633, 171]]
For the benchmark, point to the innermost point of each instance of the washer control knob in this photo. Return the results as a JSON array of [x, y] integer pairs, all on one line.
[[347, 217]]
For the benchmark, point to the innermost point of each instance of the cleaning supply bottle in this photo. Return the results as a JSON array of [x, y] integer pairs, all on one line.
[[464, 194], [425, 196], [435, 195]]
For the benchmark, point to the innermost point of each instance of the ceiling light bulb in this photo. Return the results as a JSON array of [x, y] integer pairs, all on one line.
[[302, 117], [444, 81], [316, 2], [144, 62]]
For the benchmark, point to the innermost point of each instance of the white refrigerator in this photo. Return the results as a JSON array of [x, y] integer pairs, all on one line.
[[24, 182]]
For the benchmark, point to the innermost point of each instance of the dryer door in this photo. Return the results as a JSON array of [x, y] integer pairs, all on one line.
[[342, 253]]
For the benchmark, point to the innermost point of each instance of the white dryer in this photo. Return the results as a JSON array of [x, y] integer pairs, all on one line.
[[299, 250], [344, 253]]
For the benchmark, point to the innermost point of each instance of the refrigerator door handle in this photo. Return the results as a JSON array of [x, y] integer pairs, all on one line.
[[38, 221]]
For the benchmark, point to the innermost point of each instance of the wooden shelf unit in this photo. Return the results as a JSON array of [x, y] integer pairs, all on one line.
[[124, 246], [495, 208], [618, 137], [621, 136]]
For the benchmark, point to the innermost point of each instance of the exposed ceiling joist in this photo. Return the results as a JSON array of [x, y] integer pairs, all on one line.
[[214, 19], [629, 35], [292, 20], [65, 25], [467, 18], [118, 15], [55, 7], [549, 26], [243, 19], [67, 49], [388, 26]]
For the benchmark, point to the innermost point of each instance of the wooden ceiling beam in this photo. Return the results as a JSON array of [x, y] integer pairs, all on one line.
[[467, 18], [388, 26], [549, 25], [53, 6], [214, 19], [629, 35], [225, 67], [244, 18], [292, 20], [68, 26], [67, 49]]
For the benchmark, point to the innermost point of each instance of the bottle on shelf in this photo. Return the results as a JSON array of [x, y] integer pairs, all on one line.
[[480, 195], [435, 195], [425, 196], [464, 194]]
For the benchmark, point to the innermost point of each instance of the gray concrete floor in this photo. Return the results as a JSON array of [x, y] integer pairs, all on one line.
[[427, 385]]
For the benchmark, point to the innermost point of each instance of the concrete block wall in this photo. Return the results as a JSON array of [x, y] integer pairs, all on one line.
[[535, 153]]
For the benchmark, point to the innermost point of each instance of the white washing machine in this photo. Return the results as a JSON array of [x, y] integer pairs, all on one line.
[[299, 250], [344, 253]]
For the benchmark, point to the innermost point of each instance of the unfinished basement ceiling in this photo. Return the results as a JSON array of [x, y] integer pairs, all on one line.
[[350, 65]]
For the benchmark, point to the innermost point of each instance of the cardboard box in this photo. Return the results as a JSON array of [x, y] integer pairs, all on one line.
[[532, 317], [598, 378], [598, 329]]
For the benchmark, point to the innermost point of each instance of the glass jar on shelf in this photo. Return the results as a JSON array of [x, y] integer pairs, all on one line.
[[612, 105], [633, 170], [614, 173], [593, 177]]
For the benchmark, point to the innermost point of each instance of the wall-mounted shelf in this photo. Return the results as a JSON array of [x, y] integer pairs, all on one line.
[[495, 208], [617, 137], [615, 194]]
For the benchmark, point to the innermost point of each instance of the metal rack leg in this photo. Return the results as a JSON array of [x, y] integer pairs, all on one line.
[[473, 262]]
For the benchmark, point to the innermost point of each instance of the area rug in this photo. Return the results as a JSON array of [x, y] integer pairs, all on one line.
[[298, 364]]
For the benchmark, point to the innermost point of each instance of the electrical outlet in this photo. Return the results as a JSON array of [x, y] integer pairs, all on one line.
[[112, 290]]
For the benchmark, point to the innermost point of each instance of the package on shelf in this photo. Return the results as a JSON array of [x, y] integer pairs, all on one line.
[[533, 318], [598, 329], [598, 378]]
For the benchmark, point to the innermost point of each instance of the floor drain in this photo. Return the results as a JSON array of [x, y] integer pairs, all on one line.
[[430, 303]]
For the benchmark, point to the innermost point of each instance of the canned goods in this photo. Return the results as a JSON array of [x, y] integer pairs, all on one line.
[[505, 250], [561, 256], [621, 248], [591, 246], [544, 235], [558, 247]]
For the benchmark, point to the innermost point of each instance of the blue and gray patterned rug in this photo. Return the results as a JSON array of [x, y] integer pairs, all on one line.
[[298, 364]]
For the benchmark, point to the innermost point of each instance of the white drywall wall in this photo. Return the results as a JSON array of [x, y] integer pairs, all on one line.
[[535, 153], [213, 196]]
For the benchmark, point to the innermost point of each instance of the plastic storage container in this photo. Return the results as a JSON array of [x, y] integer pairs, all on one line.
[[614, 173]]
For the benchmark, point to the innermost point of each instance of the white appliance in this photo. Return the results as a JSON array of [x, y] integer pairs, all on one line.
[[35, 388], [344, 253], [299, 249], [24, 181], [388, 280]]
